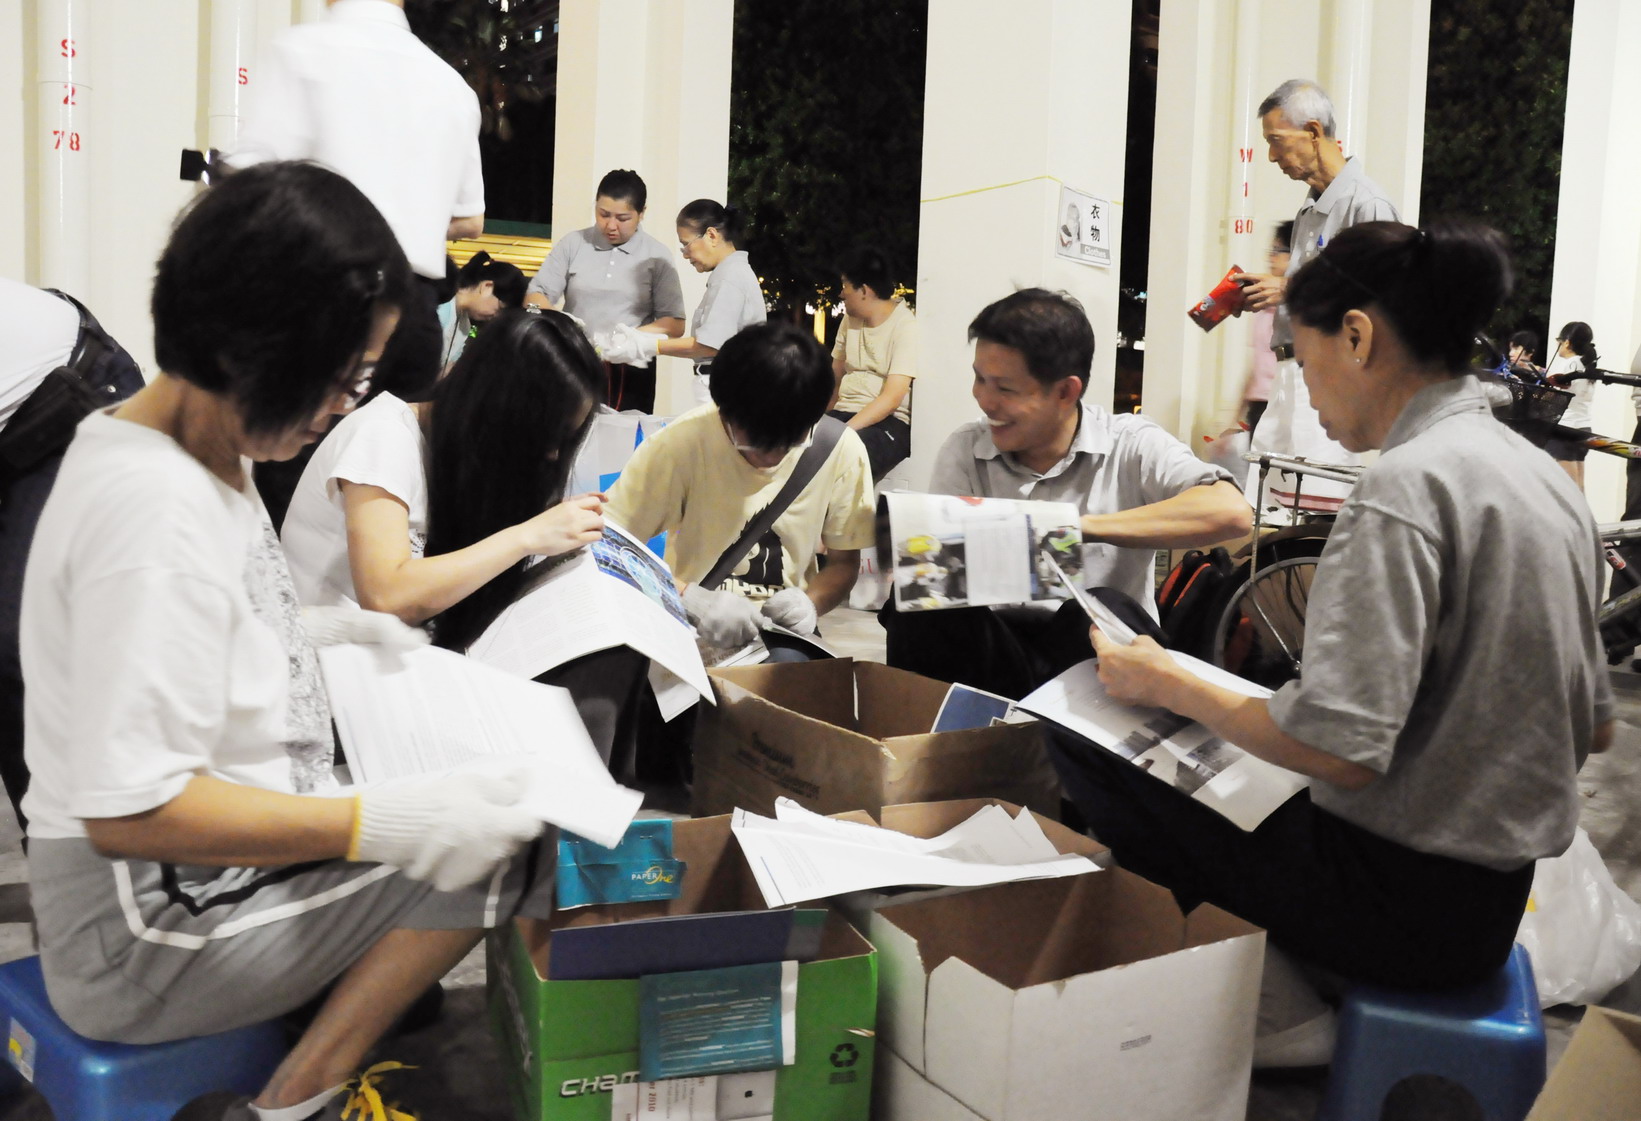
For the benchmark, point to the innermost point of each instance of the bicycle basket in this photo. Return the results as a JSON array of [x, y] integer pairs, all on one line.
[[1533, 404]]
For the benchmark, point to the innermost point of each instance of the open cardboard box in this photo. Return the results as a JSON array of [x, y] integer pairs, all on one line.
[[1599, 1076], [836, 735], [1090, 997], [568, 1044]]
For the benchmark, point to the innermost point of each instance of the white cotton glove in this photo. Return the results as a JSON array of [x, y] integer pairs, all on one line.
[[791, 608], [448, 829], [629, 346], [722, 618], [333, 626]]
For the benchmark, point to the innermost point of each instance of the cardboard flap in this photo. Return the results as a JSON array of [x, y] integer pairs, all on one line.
[[1599, 1075], [1008, 761], [902, 990], [822, 690], [894, 702], [971, 1025]]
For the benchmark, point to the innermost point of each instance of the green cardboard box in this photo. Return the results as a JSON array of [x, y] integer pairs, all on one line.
[[566, 1045]]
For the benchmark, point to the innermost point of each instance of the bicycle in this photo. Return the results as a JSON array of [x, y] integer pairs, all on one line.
[[1259, 620]]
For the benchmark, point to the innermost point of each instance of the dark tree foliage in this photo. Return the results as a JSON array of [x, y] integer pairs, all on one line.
[[826, 137], [1493, 120], [509, 56]]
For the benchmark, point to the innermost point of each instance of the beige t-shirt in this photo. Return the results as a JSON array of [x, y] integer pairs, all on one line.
[[689, 481], [871, 354]]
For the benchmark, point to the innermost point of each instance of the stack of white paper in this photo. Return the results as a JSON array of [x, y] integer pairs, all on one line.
[[799, 855], [430, 711]]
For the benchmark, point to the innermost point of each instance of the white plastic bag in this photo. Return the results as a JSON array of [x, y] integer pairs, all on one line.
[[1583, 933], [1225, 450]]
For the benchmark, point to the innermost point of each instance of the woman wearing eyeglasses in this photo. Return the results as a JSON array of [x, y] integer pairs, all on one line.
[[708, 237], [193, 870]]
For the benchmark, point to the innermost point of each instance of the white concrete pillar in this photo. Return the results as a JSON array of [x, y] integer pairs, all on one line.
[[233, 51], [1598, 223], [1013, 108], [645, 86], [1350, 62], [63, 142], [1203, 160], [16, 128]]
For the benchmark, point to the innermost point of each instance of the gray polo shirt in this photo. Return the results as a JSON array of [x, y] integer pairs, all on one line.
[[733, 300], [1351, 198], [635, 283], [1450, 640], [1114, 463]]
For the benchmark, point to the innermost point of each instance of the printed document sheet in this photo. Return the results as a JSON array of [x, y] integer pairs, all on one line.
[[432, 710], [799, 855]]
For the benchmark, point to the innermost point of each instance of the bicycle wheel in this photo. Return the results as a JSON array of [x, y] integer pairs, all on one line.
[[1261, 632]]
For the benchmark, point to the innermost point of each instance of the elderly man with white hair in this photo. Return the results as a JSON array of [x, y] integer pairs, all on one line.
[[1297, 120]]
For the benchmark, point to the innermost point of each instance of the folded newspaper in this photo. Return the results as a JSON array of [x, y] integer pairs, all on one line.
[[1184, 754], [947, 551]]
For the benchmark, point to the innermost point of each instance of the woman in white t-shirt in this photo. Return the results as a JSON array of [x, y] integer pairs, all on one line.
[[485, 459], [708, 237], [875, 359], [192, 869], [432, 511], [1575, 354]]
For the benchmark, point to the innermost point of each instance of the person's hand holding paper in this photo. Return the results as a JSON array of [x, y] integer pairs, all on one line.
[[1139, 672]]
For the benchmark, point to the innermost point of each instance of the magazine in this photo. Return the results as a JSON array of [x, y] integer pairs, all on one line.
[[615, 592], [948, 551], [1202, 766]]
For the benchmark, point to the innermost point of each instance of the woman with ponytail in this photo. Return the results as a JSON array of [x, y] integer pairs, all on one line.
[[1463, 570], [709, 237], [484, 287], [1575, 355]]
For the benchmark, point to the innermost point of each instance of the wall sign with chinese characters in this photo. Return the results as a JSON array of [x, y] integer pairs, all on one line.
[[1082, 228]]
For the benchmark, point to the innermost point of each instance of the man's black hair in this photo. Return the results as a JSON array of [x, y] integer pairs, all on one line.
[[265, 292], [772, 382], [1049, 329], [625, 186], [867, 266]]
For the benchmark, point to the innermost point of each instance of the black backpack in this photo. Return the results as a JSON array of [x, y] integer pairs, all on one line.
[[1189, 597]]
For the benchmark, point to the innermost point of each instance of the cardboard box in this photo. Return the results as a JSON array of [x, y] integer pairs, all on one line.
[[836, 735], [1599, 1076], [1090, 998], [567, 1044]]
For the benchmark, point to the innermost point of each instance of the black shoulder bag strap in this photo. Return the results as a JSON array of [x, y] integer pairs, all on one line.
[[827, 434]]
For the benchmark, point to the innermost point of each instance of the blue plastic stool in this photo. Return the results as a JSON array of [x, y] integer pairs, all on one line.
[[1488, 1038], [84, 1080]]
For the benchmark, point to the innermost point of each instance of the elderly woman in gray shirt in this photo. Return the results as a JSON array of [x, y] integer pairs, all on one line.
[[707, 236], [1463, 569]]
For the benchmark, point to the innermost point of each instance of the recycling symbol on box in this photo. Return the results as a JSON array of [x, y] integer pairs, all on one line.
[[844, 1055]]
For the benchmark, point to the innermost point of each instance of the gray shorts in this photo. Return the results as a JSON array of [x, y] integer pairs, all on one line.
[[140, 952]]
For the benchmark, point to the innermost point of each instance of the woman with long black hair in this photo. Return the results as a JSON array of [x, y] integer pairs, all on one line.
[[432, 511]]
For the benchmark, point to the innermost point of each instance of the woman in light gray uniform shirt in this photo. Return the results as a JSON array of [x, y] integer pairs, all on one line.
[[708, 235]]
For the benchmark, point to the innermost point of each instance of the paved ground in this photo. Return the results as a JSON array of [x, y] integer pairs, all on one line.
[[460, 1078]]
